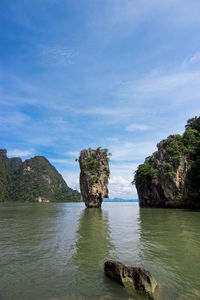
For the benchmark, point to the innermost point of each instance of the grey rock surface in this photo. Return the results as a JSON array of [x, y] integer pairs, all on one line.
[[134, 279], [94, 175]]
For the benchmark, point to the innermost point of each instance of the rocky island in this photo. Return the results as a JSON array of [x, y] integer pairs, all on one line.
[[94, 176], [170, 177], [34, 180]]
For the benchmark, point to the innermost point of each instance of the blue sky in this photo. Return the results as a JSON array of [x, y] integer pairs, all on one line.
[[120, 74]]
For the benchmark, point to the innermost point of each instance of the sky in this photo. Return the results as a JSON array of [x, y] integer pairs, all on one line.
[[74, 74]]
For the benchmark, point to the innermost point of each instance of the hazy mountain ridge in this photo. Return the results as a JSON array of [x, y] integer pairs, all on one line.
[[120, 200]]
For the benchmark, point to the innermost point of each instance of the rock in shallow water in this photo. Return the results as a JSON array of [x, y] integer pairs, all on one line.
[[132, 278], [191, 295]]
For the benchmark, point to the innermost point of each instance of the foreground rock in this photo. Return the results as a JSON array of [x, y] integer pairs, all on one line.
[[94, 176], [191, 295], [170, 176], [132, 278]]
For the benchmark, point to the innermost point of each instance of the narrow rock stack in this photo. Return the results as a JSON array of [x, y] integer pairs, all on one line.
[[94, 166]]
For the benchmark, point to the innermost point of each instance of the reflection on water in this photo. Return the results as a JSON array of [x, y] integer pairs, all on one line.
[[35, 243], [93, 244], [93, 248], [170, 248], [57, 251], [191, 295]]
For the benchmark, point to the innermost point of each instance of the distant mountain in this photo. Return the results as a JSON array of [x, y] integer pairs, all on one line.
[[34, 180], [120, 200]]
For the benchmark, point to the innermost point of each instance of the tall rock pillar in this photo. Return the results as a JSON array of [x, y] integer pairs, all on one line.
[[94, 166]]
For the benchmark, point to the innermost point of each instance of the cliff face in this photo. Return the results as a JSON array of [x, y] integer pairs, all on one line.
[[34, 180], [170, 176], [94, 176], [166, 187]]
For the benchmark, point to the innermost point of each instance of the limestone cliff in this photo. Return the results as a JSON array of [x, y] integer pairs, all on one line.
[[94, 176], [170, 176], [34, 180]]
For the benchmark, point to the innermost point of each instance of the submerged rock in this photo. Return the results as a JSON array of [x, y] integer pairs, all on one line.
[[94, 176], [191, 295], [132, 278]]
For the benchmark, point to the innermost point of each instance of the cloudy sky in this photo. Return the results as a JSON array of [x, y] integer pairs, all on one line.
[[120, 74]]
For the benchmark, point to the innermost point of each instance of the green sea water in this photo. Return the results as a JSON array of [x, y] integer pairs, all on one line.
[[57, 251]]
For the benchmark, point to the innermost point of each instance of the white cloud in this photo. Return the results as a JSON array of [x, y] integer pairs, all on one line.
[[101, 111], [123, 17], [145, 96], [24, 85], [125, 169], [137, 11], [132, 151], [119, 187], [158, 84], [71, 178], [41, 140], [120, 180], [135, 127], [126, 157], [58, 55], [20, 153], [14, 118], [10, 101], [195, 58], [63, 161], [73, 153], [192, 61]]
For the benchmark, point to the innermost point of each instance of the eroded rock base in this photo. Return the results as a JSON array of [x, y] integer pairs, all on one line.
[[132, 278]]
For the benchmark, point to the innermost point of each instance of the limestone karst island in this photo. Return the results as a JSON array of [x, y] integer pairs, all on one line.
[[94, 166], [34, 180], [99, 149], [170, 177], [90, 237]]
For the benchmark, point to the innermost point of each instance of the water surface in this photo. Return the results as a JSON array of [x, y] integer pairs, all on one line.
[[57, 251]]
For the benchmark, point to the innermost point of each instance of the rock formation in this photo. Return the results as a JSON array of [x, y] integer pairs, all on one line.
[[94, 176], [34, 180], [170, 176], [132, 278]]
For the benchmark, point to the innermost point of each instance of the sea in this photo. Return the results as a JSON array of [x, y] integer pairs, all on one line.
[[56, 251]]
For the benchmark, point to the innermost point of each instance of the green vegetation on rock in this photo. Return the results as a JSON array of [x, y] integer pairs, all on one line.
[[92, 166], [33, 180], [173, 172]]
